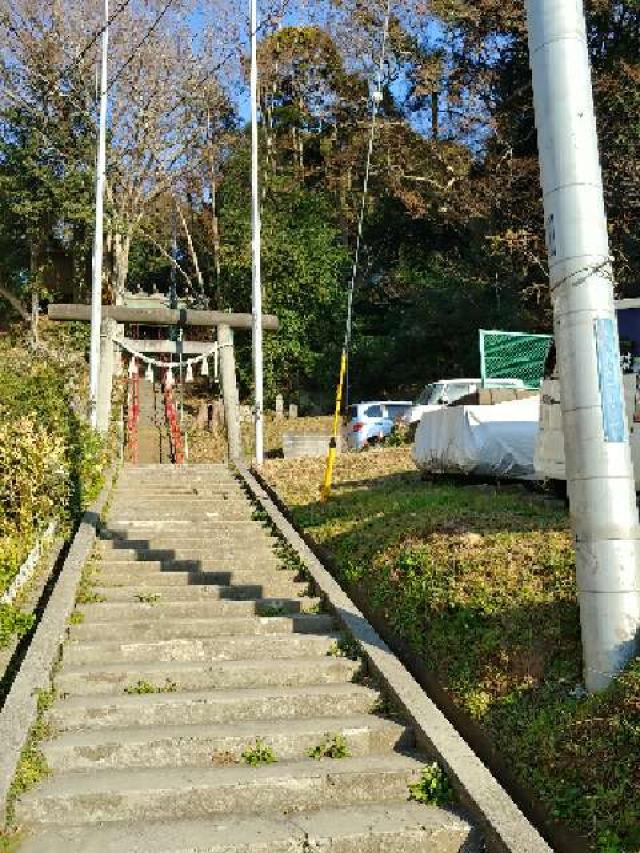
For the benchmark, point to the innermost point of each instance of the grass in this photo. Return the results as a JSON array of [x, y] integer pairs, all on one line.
[[480, 582]]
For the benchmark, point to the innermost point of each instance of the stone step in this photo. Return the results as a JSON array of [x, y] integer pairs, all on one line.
[[161, 608], [215, 706], [207, 650], [133, 493], [214, 550], [179, 793], [253, 539], [275, 589], [159, 627], [189, 515], [401, 827], [109, 678], [267, 582], [144, 507], [259, 566], [212, 563], [221, 745], [182, 529]]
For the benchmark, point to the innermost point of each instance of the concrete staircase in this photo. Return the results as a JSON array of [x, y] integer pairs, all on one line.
[[153, 434], [199, 647]]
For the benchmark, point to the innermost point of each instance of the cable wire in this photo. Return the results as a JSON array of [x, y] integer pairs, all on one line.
[[94, 38], [376, 101], [343, 381], [140, 44]]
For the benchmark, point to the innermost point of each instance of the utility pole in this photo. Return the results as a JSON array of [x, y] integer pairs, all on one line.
[[256, 272], [96, 291], [598, 459]]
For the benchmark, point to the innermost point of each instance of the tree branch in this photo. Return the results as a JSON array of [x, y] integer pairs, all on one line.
[[15, 303]]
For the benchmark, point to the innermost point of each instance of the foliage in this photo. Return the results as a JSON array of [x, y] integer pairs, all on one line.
[[434, 788], [13, 623], [259, 753], [332, 746], [51, 462], [480, 582]]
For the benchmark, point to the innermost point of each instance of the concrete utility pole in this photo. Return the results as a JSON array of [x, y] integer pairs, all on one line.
[[96, 291], [256, 245], [598, 459]]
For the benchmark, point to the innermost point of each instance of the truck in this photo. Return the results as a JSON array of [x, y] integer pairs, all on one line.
[[549, 457]]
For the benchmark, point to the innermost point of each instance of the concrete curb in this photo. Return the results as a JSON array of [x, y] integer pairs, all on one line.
[[20, 709], [506, 829]]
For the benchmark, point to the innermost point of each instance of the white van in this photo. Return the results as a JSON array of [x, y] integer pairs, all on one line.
[[447, 391]]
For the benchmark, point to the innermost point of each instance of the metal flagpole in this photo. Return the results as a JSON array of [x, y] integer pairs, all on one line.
[[256, 275], [598, 458], [96, 291]]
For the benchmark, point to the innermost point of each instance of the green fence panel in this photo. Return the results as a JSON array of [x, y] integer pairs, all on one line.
[[513, 355]]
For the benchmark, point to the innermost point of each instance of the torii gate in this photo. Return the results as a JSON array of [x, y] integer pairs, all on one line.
[[224, 323]]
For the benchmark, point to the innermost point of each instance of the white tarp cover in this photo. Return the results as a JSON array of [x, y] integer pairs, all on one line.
[[496, 440]]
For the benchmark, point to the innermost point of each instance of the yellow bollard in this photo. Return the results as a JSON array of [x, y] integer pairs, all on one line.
[[325, 489]]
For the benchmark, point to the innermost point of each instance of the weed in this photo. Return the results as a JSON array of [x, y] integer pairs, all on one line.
[[333, 746], [259, 753], [433, 789], [273, 610], [76, 618], [85, 593], [32, 766], [148, 597], [10, 841], [345, 647], [259, 515], [142, 687]]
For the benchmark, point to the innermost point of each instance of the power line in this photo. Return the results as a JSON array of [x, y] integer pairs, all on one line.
[[94, 38], [140, 44], [343, 381], [376, 101]]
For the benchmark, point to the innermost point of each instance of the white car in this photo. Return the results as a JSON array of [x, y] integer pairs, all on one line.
[[448, 391]]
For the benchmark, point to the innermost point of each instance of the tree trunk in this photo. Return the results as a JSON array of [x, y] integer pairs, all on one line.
[[35, 287], [215, 231], [121, 249], [435, 118]]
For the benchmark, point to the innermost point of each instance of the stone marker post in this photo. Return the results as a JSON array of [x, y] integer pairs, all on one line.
[[279, 407]]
